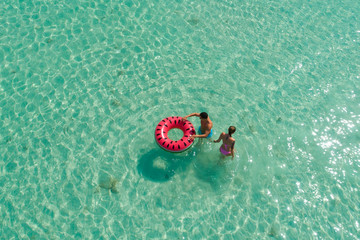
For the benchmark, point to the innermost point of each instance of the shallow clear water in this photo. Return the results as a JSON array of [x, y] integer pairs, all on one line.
[[83, 84]]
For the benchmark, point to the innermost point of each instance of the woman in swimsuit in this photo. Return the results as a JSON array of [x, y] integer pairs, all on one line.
[[227, 148]]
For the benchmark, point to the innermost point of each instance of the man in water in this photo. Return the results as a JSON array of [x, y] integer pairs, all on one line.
[[205, 129]]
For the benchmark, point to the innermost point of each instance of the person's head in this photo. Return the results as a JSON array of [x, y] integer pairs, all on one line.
[[232, 129], [204, 115]]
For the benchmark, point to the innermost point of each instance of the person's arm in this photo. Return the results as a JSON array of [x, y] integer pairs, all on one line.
[[220, 137], [207, 132], [232, 150], [191, 115]]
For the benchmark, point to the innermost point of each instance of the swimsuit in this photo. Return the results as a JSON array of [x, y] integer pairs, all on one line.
[[223, 151], [210, 134]]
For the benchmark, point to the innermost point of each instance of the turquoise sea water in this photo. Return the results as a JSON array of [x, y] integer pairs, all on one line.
[[84, 83]]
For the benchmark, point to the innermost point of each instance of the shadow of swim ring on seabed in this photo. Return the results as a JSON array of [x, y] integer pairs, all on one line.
[[159, 166]]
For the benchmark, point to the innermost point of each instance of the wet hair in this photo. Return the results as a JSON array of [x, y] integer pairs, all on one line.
[[232, 129], [204, 115]]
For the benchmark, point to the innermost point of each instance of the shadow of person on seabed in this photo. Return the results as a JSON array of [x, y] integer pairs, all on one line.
[[160, 166]]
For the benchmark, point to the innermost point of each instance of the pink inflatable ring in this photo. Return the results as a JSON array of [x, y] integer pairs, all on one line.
[[165, 125]]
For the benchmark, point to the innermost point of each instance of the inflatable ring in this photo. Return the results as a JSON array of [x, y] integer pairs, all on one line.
[[165, 125]]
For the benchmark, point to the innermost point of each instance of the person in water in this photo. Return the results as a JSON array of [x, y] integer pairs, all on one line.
[[227, 148], [205, 129]]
